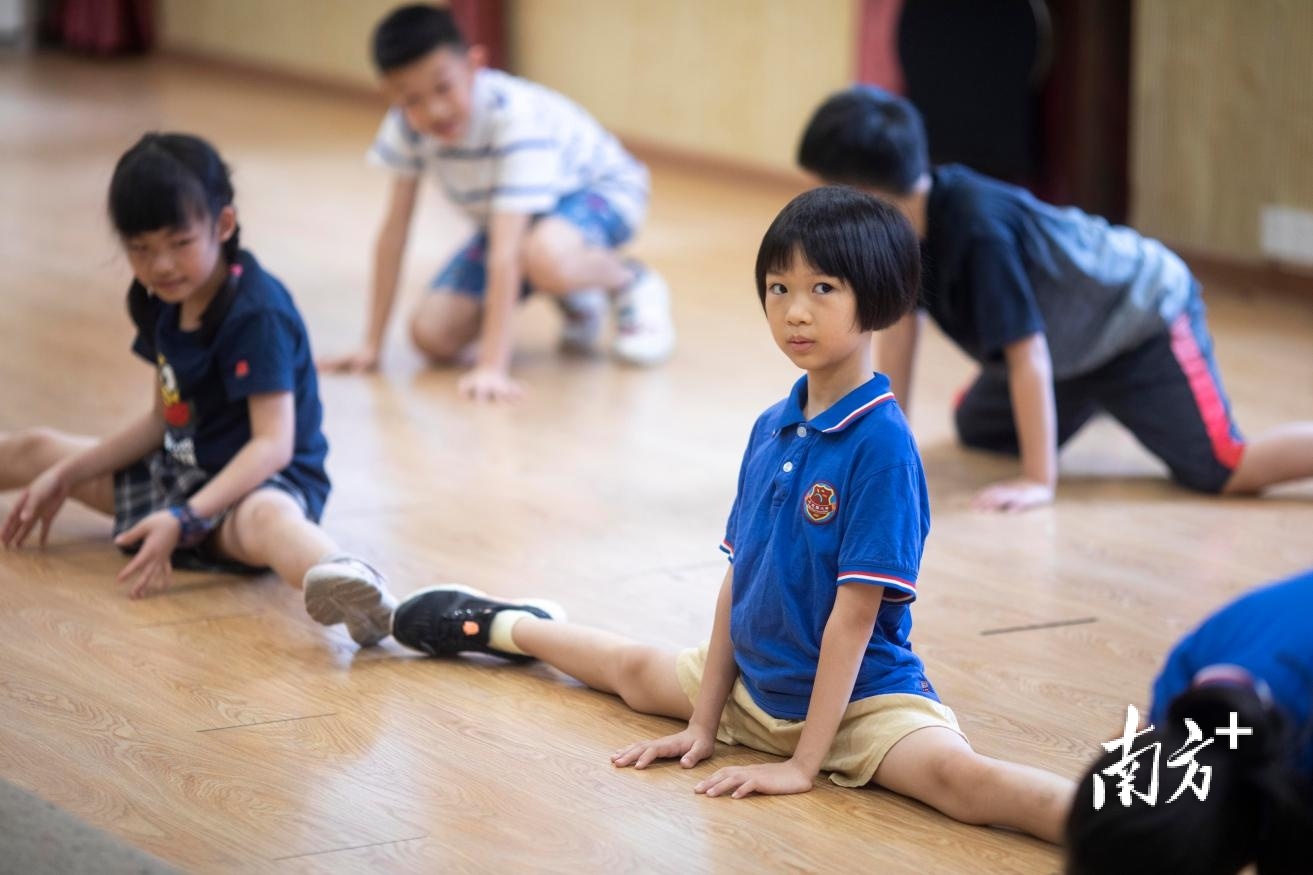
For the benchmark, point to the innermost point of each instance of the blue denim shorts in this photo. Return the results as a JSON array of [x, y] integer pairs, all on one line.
[[592, 214]]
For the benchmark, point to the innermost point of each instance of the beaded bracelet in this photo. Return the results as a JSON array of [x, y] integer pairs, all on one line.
[[194, 528]]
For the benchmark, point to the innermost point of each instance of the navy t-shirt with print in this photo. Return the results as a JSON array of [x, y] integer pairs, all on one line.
[[839, 499], [261, 346], [1268, 633], [1000, 265]]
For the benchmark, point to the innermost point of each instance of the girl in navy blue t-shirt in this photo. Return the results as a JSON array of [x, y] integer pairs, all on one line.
[[226, 471]]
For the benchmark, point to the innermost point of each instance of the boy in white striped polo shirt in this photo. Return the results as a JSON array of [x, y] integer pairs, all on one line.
[[554, 195]]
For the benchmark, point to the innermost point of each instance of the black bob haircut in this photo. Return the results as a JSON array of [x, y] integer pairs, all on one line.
[[1257, 809], [866, 136], [855, 237], [408, 33]]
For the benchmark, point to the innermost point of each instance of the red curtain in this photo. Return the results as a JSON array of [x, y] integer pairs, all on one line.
[[877, 45], [483, 22], [103, 27]]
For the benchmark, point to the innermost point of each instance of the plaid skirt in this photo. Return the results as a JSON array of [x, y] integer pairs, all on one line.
[[159, 482]]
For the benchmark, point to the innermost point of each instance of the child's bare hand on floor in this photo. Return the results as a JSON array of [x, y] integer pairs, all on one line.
[[150, 569], [769, 779], [38, 503], [1011, 496], [489, 384], [692, 746], [362, 361]]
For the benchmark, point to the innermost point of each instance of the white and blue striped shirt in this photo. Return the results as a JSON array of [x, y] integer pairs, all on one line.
[[525, 148]]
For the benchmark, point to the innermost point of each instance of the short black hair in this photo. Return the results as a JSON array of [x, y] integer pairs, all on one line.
[[860, 239], [1257, 808], [410, 32], [169, 180], [866, 136]]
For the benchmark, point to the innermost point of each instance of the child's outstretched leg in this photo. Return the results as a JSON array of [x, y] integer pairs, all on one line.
[[1281, 455], [936, 766], [28, 460], [446, 621], [25, 454], [268, 528]]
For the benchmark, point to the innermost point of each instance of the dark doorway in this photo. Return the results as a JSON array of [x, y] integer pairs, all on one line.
[[1033, 92]]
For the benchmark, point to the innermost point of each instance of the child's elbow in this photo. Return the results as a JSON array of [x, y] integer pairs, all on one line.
[[279, 451]]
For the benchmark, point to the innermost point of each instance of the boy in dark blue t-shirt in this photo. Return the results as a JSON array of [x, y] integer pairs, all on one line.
[[1066, 315], [809, 656]]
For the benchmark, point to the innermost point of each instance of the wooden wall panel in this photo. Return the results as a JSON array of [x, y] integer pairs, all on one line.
[[733, 79], [1222, 119], [321, 39]]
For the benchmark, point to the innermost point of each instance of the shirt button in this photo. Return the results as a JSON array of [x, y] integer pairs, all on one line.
[[788, 466], [802, 431]]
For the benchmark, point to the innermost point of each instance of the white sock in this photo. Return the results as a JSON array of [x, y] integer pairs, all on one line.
[[499, 636]]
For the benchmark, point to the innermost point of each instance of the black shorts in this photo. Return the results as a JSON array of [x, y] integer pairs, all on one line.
[[1167, 392]]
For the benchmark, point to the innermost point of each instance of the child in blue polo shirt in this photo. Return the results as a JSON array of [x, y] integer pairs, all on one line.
[[1249, 666], [809, 656], [226, 470]]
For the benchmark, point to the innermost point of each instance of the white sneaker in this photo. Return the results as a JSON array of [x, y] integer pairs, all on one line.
[[584, 312], [344, 589], [645, 328]]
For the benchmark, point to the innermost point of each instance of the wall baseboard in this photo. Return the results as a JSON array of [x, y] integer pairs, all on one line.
[[1247, 277], [256, 72], [1242, 276], [788, 180], [693, 160]]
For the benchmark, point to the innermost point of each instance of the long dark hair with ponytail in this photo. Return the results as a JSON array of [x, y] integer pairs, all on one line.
[[170, 181], [1258, 809]]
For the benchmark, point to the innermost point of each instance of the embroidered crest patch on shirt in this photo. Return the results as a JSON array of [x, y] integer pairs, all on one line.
[[242, 369], [821, 502]]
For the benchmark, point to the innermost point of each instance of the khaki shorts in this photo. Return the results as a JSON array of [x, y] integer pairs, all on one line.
[[870, 727]]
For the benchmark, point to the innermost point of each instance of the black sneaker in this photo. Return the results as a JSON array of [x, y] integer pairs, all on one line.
[[452, 619]]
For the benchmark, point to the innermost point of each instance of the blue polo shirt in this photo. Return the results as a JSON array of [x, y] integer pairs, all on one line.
[[1269, 634], [261, 346], [839, 499]]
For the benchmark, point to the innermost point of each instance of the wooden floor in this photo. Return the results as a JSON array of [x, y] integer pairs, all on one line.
[[219, 729]]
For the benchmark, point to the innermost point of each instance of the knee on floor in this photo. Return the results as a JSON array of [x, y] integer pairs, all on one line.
[[1216, 481], [437, 342]]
